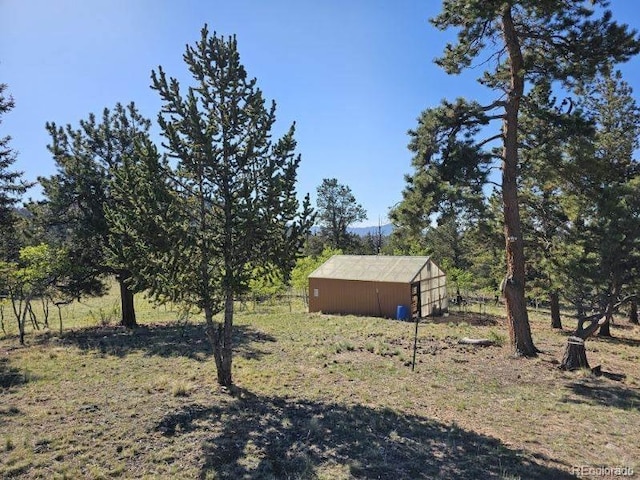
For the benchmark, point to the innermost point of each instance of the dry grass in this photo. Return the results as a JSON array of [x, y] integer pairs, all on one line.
[[317, 397]]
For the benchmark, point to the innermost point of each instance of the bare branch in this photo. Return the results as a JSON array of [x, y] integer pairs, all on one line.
[[489, 140], [494, 105]]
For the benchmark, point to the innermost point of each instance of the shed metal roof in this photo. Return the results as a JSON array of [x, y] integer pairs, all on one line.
[[371, 268]]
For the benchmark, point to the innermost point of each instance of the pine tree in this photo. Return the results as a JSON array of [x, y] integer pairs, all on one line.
[[546, 126], [11, 186], [145, 225], [78, 195], [526, 43], [617, 196], [337, 210], [228, 206], [580, 200], [606, 178]]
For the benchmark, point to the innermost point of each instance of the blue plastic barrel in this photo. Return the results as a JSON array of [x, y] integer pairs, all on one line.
[[402, 312]]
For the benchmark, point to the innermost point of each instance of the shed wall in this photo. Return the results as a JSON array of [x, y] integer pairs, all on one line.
[[433, 290], [378, 299]]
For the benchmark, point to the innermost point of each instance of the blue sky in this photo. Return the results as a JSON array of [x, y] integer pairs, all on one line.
[[354, 74]]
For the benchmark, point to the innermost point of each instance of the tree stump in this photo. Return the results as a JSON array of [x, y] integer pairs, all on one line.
[[575, 355]]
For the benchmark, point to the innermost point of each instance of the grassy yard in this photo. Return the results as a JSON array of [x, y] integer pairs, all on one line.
[[318, 396]]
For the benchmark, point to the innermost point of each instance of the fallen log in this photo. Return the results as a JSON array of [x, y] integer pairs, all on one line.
[[481, 342]]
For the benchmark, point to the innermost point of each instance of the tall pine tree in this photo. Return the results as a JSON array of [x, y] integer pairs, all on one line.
[[615, 189], [546, 125], [605, 179], [524, 43], [231, 195]]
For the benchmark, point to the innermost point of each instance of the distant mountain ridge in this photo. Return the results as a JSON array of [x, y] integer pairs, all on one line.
[[385, 230]]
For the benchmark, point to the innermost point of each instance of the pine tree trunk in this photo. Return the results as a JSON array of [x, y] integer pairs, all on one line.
[[126, 302], [224, 376], [633, 312], [554, 301], [518, 321], [517, 317], [220, 336], [575, 355], [605, 330], [214, 332]]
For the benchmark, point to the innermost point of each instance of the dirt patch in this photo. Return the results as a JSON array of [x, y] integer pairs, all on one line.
[[474, 319]]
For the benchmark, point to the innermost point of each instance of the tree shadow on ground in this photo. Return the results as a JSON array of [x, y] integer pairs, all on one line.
[[10, 376], [469, 318], [253, 436], [594, 392], [164, 340], [631, 342]]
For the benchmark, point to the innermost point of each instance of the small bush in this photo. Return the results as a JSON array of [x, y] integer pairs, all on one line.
[[105, 316], [343, 346], [496, 338], [181, 389]]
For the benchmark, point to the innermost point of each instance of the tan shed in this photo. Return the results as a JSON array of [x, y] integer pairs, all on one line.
[[379, 286]]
